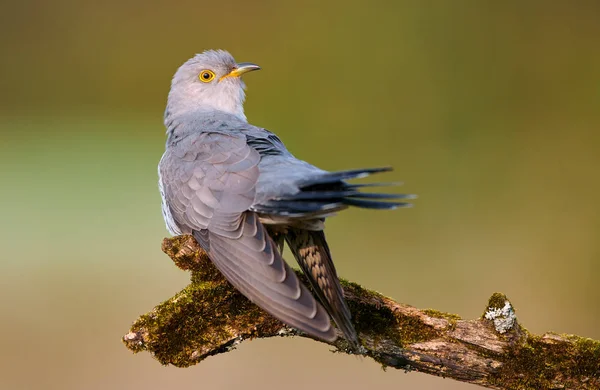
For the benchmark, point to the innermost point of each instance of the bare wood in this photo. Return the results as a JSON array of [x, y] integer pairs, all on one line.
[[210, 317]]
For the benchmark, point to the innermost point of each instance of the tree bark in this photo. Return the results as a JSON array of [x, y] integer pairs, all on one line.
[[210, 317]]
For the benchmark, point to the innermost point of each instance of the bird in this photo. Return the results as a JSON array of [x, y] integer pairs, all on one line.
[[242, 195]]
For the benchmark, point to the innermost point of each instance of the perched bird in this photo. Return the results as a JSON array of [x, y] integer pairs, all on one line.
[[238, 190]]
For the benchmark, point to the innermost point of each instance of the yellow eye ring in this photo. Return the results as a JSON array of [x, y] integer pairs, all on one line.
[[206, 76]]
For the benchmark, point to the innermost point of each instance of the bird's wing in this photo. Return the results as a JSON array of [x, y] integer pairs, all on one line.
[[209, 182], [255, 267]]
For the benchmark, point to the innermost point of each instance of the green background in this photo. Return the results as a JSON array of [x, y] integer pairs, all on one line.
[[489, 111]]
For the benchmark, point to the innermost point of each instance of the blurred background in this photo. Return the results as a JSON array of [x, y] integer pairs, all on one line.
[[489, 111]]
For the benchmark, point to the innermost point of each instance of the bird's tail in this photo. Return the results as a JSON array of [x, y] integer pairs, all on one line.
[[329, 192], [312, 253]]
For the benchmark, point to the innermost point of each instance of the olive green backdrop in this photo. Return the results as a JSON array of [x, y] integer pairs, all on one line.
[[490, 111]]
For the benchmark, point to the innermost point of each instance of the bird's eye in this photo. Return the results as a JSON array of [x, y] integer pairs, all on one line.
[[206, 76]]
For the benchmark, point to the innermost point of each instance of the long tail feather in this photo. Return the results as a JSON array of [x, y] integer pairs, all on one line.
[[369, 204], [329, 191], [312, 253], [332, 177]]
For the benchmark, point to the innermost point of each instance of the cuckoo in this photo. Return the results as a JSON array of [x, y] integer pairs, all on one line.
[[237, 189]]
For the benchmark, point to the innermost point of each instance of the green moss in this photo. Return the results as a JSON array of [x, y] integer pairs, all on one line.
[[184, 329], [440, 314], [376, 320], [179, 327], [586, 353], [545, 361], [188, 256], [496, 301]]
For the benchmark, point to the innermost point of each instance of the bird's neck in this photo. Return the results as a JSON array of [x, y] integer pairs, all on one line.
[[186, 102], [180, 123]]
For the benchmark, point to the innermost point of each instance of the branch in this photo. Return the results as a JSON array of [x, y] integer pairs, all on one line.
[[210, 317]]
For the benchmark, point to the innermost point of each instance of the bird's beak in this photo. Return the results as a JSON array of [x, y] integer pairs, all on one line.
[[240, 69]]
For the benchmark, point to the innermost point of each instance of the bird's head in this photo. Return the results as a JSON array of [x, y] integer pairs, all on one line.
[[210, 81]]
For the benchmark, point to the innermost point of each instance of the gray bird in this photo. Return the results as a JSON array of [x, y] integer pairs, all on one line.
[[238, 190]]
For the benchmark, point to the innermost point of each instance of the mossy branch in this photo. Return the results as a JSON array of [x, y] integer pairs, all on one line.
[[209, 317]]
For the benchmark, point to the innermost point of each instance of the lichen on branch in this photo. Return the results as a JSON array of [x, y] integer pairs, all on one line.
[[210, 317]]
